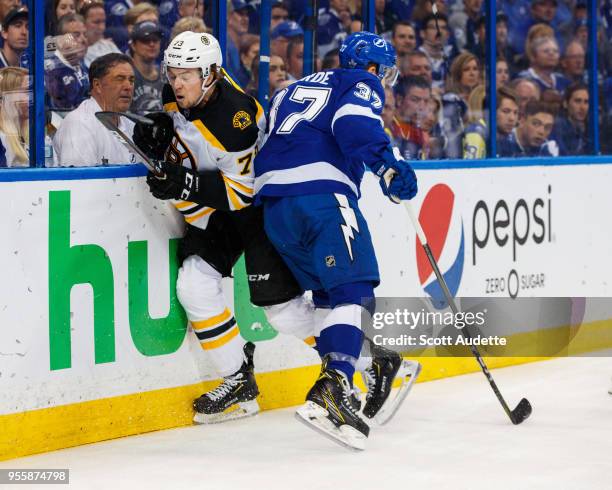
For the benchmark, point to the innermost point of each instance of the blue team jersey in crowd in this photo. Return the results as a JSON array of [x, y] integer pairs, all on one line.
[[321, 131], [66, 85]]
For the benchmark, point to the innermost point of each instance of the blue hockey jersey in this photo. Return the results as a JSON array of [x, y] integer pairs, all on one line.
[[321, 131]]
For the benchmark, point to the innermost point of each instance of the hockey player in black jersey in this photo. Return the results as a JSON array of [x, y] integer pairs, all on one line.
[[206, 141]]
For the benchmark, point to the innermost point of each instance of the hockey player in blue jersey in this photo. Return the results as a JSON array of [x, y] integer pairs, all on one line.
[[321, 131]]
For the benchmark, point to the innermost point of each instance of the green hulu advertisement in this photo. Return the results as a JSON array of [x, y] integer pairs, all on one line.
[[87, 263]]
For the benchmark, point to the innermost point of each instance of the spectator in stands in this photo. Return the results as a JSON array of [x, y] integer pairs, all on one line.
[[543, 55], [237, 26], [573, 62], [82, 140], [53, 12], [521, 61], [331, 60], [507, 116], [277, 76], [567, 30], [413, 96], [502, 72], [145, 46], [356, 24], [280, 36], [66, 77], [15, 34], [280, 13], [125, 13], [478, 46], [433, 129], [465, 74], [526, 91], [193, 24], [476, 132], [191, 8], [384, 21], [504, 49], [437, 48], [533, 132], [6, 6], [464, 22], [540, 12], [14, 114], [249, 50], [422, 10], [330, 30], [570, 130], [95, 25], [403, 38], [140, 12], [581, 32], [295, 58], [416, 64], [388, 113]]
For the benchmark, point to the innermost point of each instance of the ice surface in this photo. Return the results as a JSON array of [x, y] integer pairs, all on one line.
[[450, 434]]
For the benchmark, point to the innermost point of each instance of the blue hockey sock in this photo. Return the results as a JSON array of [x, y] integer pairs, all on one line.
[[342, 344]]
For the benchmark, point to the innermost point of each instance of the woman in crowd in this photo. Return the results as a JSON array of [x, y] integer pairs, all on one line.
[[277, 76], [476, 133], [502, 72], [465, 74], [14, 113], [54, 11], [95, 23], [248, 51]]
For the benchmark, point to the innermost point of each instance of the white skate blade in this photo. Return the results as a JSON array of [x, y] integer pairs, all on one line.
[[236, 411], [315, 417], [408, 372]]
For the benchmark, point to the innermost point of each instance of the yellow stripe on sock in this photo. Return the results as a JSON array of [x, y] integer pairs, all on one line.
[[212, 321]]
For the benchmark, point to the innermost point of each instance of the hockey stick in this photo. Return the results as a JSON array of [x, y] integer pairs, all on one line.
[[523, 409], [107, 118]]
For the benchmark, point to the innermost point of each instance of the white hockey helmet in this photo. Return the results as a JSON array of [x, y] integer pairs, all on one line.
[[194, 50]]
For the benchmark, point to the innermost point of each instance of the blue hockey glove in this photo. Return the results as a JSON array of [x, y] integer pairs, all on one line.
[[396, 177]]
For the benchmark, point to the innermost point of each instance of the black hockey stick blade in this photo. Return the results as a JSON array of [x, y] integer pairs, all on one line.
[[521, 412], [107, 118]]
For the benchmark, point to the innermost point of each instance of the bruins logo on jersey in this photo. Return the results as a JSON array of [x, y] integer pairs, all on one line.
[[178, 153], [242, 120]]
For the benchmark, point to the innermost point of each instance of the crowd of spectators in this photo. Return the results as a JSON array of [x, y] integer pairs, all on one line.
[[438, 109]]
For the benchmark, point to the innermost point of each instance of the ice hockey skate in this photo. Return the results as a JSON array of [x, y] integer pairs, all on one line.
[[234, 398], [387, 366], [330, 410]]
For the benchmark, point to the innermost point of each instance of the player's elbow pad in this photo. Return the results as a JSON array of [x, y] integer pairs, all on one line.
[[211, 190]]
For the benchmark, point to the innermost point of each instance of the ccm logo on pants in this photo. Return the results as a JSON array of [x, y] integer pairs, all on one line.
[[258, 277]]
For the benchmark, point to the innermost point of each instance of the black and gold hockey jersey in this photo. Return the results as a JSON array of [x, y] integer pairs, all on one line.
[[223, 136]]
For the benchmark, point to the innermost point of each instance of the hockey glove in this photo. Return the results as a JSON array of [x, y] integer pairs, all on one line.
[[154, 139], [179, 182], [396, 177]]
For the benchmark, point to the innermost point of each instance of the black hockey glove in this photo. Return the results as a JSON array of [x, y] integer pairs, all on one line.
[[154, 139], [179, 182]]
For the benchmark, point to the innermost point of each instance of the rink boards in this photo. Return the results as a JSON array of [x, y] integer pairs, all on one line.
[[94, 345]]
